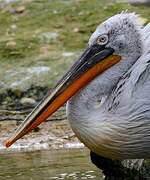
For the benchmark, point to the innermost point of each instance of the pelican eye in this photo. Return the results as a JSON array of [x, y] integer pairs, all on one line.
[[102, 40]]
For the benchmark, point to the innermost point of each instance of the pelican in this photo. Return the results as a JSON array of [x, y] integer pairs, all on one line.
[[107, 91]]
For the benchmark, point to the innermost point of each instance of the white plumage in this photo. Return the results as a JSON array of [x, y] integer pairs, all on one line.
[[111, 115]]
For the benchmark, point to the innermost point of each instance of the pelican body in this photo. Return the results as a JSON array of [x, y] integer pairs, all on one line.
[[107, 91]]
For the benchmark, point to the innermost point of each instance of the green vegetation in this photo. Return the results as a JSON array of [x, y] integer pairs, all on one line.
[[36, 33]]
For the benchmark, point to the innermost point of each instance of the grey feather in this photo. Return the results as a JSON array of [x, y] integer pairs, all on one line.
[[111, 115]]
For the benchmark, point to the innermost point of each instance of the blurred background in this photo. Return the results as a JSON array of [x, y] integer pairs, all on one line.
[[39, 40]]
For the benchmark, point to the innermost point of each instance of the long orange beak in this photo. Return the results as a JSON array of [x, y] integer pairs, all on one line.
[[93, 61]]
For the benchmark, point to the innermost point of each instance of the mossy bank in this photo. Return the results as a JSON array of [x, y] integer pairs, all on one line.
[[40, 39]]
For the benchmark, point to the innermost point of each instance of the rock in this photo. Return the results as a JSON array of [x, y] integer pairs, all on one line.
[[9, 1], [11, 44], [115, 170], [20, 9], [27, 101], [55, 11], [48, 37], [23, 78], [2, 85], [81, 13], [139, 2], [13, 27], [143, 20], [76, 30], [67, 54]]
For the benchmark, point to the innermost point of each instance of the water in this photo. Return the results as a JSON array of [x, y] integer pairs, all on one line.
[[48, 165]]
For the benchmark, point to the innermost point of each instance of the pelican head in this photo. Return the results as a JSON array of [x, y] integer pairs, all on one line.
[[112, 49]]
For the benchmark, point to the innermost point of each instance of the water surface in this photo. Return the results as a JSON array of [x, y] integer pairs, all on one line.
[[48, 165]]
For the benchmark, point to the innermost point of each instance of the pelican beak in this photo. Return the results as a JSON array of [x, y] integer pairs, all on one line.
[[95, 60]]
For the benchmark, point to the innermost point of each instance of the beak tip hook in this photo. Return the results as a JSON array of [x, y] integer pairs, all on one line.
[[7, 143]]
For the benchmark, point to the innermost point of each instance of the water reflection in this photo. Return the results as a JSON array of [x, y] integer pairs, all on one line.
[[48, 165]]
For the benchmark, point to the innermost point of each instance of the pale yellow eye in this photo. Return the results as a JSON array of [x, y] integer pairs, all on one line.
[[102, 40]]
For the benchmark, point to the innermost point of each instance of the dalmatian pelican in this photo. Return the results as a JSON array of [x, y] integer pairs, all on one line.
[[107, 91]]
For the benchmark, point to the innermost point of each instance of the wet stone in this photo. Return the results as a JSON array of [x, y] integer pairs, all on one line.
[[27, 101]]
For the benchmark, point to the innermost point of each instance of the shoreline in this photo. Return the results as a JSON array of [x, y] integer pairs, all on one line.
[[50, 135]]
